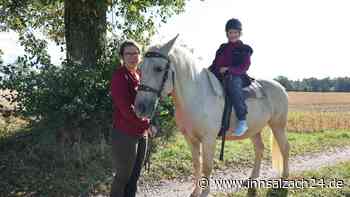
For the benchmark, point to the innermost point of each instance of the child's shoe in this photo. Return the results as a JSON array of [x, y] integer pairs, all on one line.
[[241, 128]]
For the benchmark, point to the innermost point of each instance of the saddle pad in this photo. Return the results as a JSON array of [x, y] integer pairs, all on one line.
[[253, 91]]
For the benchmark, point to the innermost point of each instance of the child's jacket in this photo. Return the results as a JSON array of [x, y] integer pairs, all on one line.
[[235, 56]]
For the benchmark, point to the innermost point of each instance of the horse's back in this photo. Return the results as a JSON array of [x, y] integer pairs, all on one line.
[[277, 98], [274, 91]]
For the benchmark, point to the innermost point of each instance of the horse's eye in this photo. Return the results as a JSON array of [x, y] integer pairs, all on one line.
[[158, 69]]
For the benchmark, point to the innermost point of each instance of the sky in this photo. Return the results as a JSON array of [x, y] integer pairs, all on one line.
[[297, 39]]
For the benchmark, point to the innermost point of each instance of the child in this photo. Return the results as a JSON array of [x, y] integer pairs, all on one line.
[[230, 65]]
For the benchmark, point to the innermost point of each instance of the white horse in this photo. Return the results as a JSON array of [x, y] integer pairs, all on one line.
[[199, 107]]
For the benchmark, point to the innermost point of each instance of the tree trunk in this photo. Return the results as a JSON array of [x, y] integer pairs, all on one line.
[[85, 30]]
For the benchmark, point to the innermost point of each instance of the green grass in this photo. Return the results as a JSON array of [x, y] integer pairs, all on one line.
[[30, 166], [174, 159], [327, 175]]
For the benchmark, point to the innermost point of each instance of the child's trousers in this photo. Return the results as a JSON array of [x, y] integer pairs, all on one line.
[[235, 96]]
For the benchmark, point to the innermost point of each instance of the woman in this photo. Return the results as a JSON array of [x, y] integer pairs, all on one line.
[[129, 136]]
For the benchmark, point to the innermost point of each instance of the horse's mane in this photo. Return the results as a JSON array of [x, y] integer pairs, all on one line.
[[184, 59]]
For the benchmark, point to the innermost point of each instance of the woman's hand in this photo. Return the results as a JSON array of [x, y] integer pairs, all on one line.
[[223, 69], [152, 131]]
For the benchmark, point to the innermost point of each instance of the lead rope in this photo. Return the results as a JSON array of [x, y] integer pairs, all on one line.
[[155, 122]]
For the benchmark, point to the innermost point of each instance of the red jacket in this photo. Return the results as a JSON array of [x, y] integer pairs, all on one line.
[[123, 89]]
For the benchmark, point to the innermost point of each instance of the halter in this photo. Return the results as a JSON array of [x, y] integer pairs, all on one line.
[[145, 88]]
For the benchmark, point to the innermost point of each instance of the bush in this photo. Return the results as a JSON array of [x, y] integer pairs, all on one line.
[[70, 95]]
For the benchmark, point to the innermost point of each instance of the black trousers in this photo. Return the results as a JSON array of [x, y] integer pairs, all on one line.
[[128, 155], [235, 98]]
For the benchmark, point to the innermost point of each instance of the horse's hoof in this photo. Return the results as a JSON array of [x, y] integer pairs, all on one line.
[[204, 195], [195, 193]]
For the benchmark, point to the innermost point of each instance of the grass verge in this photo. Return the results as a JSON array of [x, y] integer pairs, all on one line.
[[174, 158], [332, 181], [31, 166]]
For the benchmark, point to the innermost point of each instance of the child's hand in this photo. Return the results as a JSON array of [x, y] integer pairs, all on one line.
[[223, 69]]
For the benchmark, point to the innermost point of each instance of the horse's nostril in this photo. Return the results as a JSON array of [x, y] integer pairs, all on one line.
[[141, 107]]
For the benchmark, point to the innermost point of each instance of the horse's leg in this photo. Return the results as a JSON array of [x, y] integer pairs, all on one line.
[[280, 150], [259, 150], [195, 150], [208, 146]]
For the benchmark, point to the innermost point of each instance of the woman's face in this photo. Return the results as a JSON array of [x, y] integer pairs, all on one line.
[[131, 56], [233, 35]]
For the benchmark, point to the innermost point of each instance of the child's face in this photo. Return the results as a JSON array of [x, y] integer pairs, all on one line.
[[233, 35]]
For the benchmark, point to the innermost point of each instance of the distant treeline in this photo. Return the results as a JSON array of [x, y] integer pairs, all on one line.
[[340, 84]]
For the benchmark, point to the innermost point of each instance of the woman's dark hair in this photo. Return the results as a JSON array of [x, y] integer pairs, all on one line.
[[128, 43]]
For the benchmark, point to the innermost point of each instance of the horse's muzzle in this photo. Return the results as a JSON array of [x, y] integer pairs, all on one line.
[[144, 109], [140, 108]]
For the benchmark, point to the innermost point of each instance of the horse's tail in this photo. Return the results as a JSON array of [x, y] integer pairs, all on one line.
[[277, 158], [278, 100]]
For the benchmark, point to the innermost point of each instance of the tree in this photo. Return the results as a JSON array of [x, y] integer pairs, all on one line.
[[78, 89], [342, 84], [85, 29], [284, 81], [1, 53], [326, 84], [313, 83], [81, 24]]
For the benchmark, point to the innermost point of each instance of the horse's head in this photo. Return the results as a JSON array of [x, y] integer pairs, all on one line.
[[157, 79]]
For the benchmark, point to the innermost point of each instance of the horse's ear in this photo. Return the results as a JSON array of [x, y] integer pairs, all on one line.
[[168, 46]]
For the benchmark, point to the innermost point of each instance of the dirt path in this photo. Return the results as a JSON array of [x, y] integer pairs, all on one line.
[[183, 188]]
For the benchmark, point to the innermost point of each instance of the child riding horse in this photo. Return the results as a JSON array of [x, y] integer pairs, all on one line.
[[230, 66]]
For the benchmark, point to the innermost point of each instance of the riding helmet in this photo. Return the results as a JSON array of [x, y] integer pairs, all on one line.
[[233, 24]]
